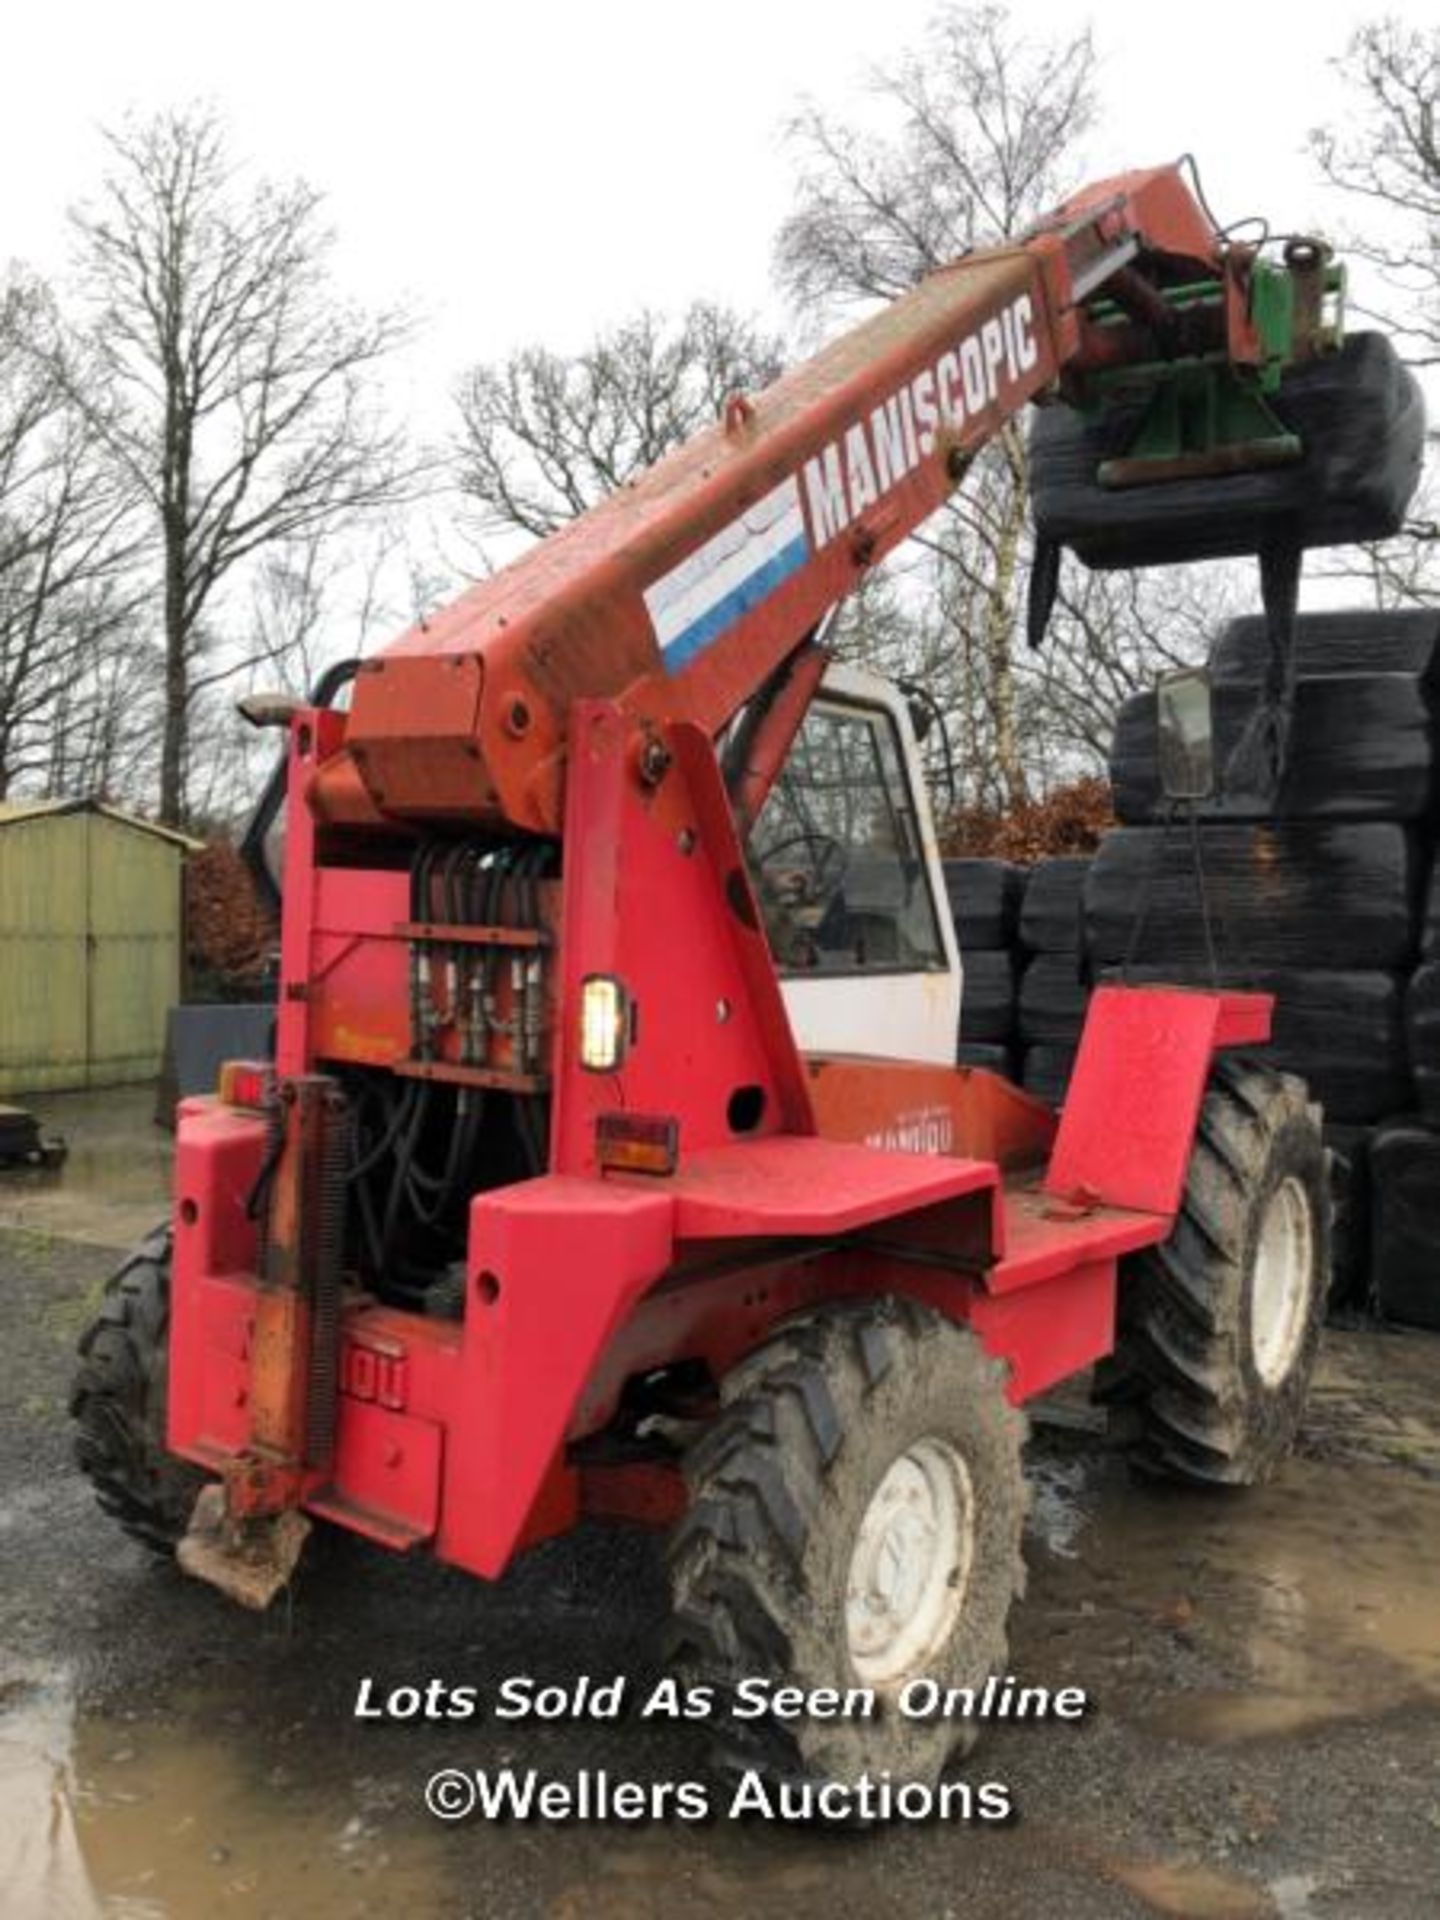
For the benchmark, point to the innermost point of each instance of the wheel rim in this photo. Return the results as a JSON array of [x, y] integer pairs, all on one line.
[[910, 1565], [1283, 1277]]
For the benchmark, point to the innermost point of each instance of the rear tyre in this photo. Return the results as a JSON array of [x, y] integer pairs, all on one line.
[[1220, 1326], [118, 1403], [854, 1521]]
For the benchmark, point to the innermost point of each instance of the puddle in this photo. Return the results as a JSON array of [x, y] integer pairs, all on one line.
[[639, 1883], [115, 1182], [106, 1819], [1292, 1894], [1249, 1716], [1319, 1592], [1377, 1398], [1192, 1892], [41, 1867], [1058, 1513]]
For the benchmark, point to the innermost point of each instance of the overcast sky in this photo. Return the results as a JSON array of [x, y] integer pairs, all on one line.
[[526, 171], [522, 173]]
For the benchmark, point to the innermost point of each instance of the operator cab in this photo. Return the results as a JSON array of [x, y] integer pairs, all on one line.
[[846, 866]]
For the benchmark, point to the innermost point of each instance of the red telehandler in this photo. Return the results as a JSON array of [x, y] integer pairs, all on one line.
[[614, 1162]]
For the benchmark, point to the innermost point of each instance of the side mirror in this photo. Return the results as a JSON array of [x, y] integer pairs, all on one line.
[[1185, 732]]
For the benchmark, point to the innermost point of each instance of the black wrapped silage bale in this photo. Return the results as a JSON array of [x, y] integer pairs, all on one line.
[[1343, 1033], [1293, 894], [1359, 413], [1422, 1029], [1053, 1000], [1402, 640], [984, 900], [987, 1054], [1051, 915], [1405, 1224], [987, 996], [1045, 1072], [1362, 747], [1430, 924], [1349, 1150]]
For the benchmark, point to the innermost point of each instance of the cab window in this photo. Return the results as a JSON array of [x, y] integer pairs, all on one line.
[[837, 856]]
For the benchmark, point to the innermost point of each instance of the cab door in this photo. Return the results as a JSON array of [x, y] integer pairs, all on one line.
[[848, 873]]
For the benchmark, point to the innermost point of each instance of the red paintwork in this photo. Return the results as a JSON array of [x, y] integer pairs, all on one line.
[[820, 1187], [1052, 1330], [919, 1107], [1046, 1237], [568, 1258], [768, 747], [313, 737], [1157, 204], [387, 1475], [682, 930], [457, 1434], [539, 702], [1136, 1090], [217, 1156], [1244, 1019]]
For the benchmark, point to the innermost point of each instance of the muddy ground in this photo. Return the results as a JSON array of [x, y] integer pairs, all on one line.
[[1265, 1738]]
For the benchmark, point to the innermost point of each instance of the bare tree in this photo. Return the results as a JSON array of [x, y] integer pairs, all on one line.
[[311, 604], [101, 733], [1386, 165], [985, 125], [543, 435], [239, 379], [1387, 162], [1116, 632], [68, 533], [925, 623]]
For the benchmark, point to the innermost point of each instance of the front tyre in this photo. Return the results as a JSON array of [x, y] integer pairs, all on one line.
[[1220, 1327], [854, 1521]]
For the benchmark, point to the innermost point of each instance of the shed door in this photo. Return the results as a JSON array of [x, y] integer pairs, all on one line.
[[134, 939], [44, 972]]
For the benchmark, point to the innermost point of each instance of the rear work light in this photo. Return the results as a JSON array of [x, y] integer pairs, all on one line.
[[604, 1016], [246, 1083]]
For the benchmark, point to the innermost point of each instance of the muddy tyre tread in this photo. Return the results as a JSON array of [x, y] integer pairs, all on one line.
[[1182, 1358], [761, 1477], [118, 1403]]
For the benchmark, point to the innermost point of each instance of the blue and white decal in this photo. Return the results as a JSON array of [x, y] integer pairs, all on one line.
[[695, 603]]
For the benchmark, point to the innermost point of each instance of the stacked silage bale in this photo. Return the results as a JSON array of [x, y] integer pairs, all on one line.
[[1405, 1155], [1423, 1006], [1313, 898], [985, 906], [1054, 986]]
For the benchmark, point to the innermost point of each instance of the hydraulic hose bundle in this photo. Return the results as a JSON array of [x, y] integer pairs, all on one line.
[[422, 1147]]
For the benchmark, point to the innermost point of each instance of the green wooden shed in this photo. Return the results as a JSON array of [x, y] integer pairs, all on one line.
[[91, 944]]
